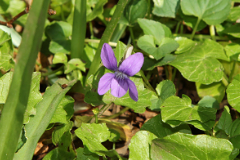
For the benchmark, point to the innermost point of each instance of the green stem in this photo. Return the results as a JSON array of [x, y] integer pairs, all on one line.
[[212, 32], [177, 28], [200, 36], [148, 85], [114, 146], [166, 71], [117, 114], [62, 13], [98, 41], [149, 9], [132, 37], [78, 29], [174, 73], [52, 72], [232, 72], [181, 28], [107, 36], [195, 28], [224, 80], [91, 29]]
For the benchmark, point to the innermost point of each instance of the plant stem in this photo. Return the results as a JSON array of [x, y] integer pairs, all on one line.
[[195, 28], [149, 9], [174, 73], [98, 41], [232, 72], [117, 114], [148, 85], [166, 71], [169, 72], [91, 29], [212, 32], [224, 80], [200, 36], [177, 28], [132, 37]]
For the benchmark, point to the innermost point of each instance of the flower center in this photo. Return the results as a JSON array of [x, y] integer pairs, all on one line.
[[120, 75]]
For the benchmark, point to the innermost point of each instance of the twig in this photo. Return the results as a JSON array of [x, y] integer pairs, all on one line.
[[26, 10]]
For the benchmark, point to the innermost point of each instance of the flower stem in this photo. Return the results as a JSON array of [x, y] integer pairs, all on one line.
[[148, 85], [174, 74], [132, 37], [212, 32], [232, 72], [195, 28], [224, 80], [166, 71], [177, 28], [98, 41], [200, 36], [117, 114]]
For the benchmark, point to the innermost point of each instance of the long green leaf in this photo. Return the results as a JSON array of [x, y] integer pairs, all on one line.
[[79, 29], [107, 35], [45, 110], [16, 103]]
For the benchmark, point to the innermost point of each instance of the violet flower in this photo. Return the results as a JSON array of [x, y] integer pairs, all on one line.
[[119, 82]]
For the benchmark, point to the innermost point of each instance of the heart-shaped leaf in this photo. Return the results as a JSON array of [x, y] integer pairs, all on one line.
[[165, 8], [233, 94], [212, 12]]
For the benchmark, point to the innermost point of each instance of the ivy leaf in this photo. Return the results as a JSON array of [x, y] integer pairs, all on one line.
[[165, 8], [140, 145], [159, 50], [201, 61], [92, 135], [177, 109], [234, 133], [225, 120], [185, 44], [233, 94], [94, 8], [184, 146], [135, 9], [164, 90], [160, 129], [60, 58], [212, 12]]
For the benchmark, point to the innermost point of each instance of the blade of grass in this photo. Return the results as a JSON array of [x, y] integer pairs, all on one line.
[[15, 106], [45, 110], [79, 29], [107, 36]]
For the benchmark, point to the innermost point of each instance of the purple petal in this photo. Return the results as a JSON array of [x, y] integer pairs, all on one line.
[[119, 87], [132, 90], [108, 58], [105, 83], [132, 64]]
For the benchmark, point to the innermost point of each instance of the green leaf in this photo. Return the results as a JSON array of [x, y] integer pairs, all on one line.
[[59, 132], [34, 97], [60, 58], [45, 110], [164, 47], [225, 120], [140, 145], [97, 9], [232, 51], [233, 30], [144, 97], [4, 6], [64, 111], [22, 139], [114, 135], [216, 90], [120, 51], [135, 9], [89, 52], [175, 108], [82, 156], [6, 51], [59, 33], [164, 90], [165, 8], [160, 129], [234, 14], [212, 12], [209, 102], [234, 133], [73, 64], [15, 37], [233, 94], [92, 135], [185, 146], [150, 64], [63, 151], [191, 21], [154, 28], [201, 61], [185, 44]]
